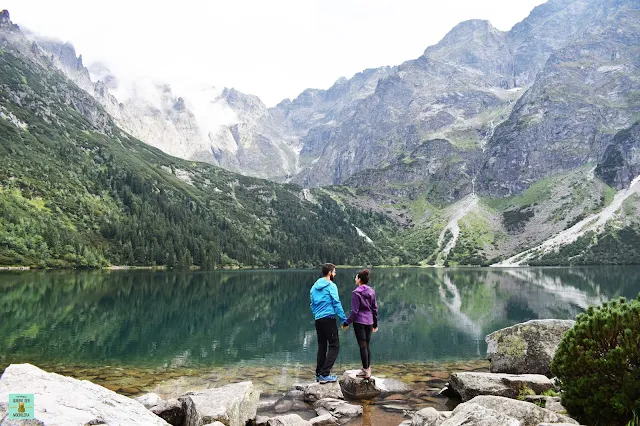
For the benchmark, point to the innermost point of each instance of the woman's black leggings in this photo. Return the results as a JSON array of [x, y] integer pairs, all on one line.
[[363, 334]]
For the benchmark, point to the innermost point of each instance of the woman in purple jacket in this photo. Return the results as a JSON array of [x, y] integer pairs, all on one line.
[[364, 316]]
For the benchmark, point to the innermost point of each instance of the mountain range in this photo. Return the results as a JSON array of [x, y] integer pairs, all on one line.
[[491, 148]]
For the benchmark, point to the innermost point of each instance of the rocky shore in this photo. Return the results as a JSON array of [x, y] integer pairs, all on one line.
[[517, 391]]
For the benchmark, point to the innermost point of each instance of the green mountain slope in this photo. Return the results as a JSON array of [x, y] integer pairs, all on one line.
[[76, 191]]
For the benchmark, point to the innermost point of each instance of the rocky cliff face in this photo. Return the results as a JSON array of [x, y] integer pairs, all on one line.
[[585, 94]]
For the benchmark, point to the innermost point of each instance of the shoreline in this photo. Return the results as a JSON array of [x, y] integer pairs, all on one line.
[[237, 268]]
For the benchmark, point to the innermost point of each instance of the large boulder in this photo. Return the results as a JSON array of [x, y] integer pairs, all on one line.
[[316, 391], [528, 414], [233, 405], [341, 410], [61, 400], [471, 384], [171, 411], [430, 417], [477, 415], [526, 348], [288, 420], [354, 387]]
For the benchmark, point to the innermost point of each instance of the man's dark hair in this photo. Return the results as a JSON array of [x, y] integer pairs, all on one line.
[[326, 268]]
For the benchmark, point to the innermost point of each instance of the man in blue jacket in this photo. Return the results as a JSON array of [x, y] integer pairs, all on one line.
[[325, 305]]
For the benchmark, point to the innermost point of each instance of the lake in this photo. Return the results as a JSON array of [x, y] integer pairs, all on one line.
[[224, 318]]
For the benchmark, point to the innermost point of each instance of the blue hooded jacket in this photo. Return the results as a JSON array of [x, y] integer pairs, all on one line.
[[325, 301]]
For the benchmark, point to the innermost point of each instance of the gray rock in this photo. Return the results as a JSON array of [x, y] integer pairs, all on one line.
[[398, 408], [354, 387], [526, 348], [430, 417], [61, 400], [172, 411], [316, 391], [288, 420], [149, 400], [267, 404], [283, 406], [528, 414], [405, 423], [261, 420], [552, 403], [556, 424], [324, 420], [391, 386], [215, 424], [233, 405], [339, 409], [470, 385], [477, 415], [296, 394]]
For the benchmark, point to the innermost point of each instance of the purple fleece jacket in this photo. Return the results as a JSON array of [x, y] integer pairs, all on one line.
[[364, 308]]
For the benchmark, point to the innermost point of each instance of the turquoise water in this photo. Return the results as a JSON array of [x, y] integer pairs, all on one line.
[[174, 319]]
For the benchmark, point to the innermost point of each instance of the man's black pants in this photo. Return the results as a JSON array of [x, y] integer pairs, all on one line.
[[327, 329]]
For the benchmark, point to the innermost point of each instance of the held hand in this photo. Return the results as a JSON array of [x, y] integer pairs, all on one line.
[[375, 330], [345, 327]]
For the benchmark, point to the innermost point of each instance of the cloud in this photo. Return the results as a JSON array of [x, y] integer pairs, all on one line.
[[273, 49]]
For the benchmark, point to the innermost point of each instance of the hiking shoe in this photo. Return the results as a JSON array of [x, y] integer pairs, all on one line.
[[327, 379], [318, 378], [362, 373]]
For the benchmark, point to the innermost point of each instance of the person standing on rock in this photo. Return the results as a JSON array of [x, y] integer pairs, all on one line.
[[325, 305], [364, 316]]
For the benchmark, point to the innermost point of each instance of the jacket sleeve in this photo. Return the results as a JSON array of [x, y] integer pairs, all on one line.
[[337, 306], [374, 310], [355, 307]]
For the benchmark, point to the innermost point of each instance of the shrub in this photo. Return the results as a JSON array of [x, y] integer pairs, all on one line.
[[598, 364]]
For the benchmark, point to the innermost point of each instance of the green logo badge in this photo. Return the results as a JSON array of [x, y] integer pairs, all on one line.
[[20, 406]]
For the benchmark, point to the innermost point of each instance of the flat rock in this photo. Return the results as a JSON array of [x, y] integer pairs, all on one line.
[[232, 405], [430, 417], [528, 414], [61, 400], [316, 391], [214, 424], [356, 388], [526, 348], [267, 403], [470, 385], [391, 386], [171, 411], [477, 415], [149, 400], [339, 409], [288, 420], [324, 420]]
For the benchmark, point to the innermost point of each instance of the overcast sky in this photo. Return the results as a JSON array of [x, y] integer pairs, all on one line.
[[270, 48]]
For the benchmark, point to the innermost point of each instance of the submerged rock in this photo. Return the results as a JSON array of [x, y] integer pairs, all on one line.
[[470, 385], [526, 348], [61, 400], [288, 420], [232, 405]]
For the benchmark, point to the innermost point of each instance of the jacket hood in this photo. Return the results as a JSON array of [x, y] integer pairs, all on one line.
[[321, 283], [364, 289]]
